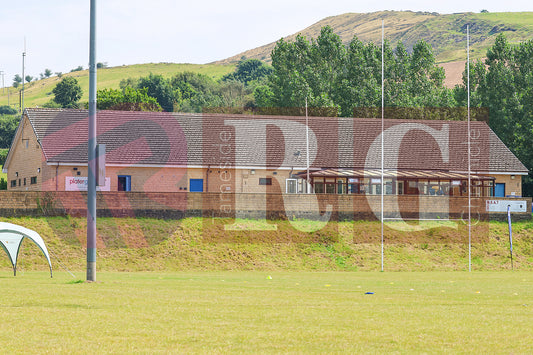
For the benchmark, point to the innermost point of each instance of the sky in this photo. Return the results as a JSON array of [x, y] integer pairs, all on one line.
[[56, 32]]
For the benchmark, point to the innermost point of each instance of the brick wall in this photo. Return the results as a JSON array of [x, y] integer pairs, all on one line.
[[249, 205], [25, 160]]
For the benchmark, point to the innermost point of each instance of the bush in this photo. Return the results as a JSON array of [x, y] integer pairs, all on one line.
[[3, 155], [8, 126], [7, 110], [51, 104]]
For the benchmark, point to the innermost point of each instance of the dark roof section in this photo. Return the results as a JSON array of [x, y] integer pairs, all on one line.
[[171, 139]]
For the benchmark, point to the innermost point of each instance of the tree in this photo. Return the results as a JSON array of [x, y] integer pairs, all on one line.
[[47, 73], [29, 78], [263, 95], [329, 74], [232, 94], [17, 80], [160, 88], [7, 110], [198, 91], [67, 92], [129, 82], [249, 70], [504, 85], [52, 104], [8, 126], [128, 99]]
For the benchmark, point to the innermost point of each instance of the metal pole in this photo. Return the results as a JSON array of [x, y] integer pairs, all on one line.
[[307, 147], [22, 93], [510, 234], [468, 135], [2, 73], [382, 138], [91, 188]]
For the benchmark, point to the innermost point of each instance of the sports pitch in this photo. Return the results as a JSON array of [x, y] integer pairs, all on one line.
[[268, 312]]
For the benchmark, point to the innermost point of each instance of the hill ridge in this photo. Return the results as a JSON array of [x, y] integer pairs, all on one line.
[[445, 32]]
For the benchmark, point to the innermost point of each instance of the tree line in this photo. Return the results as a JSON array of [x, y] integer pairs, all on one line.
[[345, 80]]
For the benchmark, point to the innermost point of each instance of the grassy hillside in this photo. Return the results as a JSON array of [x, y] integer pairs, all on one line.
[[446, 33], [39, 92], [127, 244]]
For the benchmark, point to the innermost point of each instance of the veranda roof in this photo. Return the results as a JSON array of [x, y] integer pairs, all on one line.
[[390, 173]]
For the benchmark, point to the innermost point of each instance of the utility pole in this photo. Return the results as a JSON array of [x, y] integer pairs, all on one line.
[[2, 73], [307, 147], [91, 188], [22, 92]]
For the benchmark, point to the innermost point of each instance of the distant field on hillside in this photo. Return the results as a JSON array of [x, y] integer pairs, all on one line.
[[445, 32], [39, 92]]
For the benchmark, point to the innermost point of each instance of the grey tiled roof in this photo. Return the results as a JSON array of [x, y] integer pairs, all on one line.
[[161, 138]]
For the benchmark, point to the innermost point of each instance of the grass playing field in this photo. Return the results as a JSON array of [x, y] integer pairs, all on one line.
[[268, 312]]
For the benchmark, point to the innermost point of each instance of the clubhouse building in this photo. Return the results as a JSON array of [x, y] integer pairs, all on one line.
[[175, 152]]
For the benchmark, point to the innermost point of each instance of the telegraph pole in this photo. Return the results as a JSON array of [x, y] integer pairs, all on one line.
[[91, 188], [22, 93]]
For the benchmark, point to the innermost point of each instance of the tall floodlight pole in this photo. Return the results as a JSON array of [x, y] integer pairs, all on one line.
[[307, 147], [22, 93], [91, 188], [382, 138], [469, 162]]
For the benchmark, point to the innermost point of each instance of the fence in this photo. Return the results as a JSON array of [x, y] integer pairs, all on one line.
[[258, 206]]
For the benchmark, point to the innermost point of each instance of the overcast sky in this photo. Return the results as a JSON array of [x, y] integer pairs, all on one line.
[[193, 31]]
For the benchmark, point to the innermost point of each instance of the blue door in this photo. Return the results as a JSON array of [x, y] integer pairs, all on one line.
[[499, 190], [196, 185]]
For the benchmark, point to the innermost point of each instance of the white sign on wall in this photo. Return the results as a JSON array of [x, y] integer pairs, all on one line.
[[80, 183], [501, 205]]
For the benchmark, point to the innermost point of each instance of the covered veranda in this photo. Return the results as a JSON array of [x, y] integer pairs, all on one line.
[[399, 182]]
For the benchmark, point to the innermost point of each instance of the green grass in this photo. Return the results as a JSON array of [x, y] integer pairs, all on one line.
[[268, 312], [39, 92], [182, 290], [196, 244]]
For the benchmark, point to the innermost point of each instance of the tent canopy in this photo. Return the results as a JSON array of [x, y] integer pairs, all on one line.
[[11, 237]]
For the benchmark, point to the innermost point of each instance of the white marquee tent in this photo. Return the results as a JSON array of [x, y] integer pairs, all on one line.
[[11, 237]]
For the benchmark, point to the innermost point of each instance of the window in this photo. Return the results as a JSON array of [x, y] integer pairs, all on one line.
[[13, 183], [265, 181], [124, 183], [290, 186], [341, 186], [330, 188], [33, 180], [319, 187], [388, 186], [24, 181], [400, 188]]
